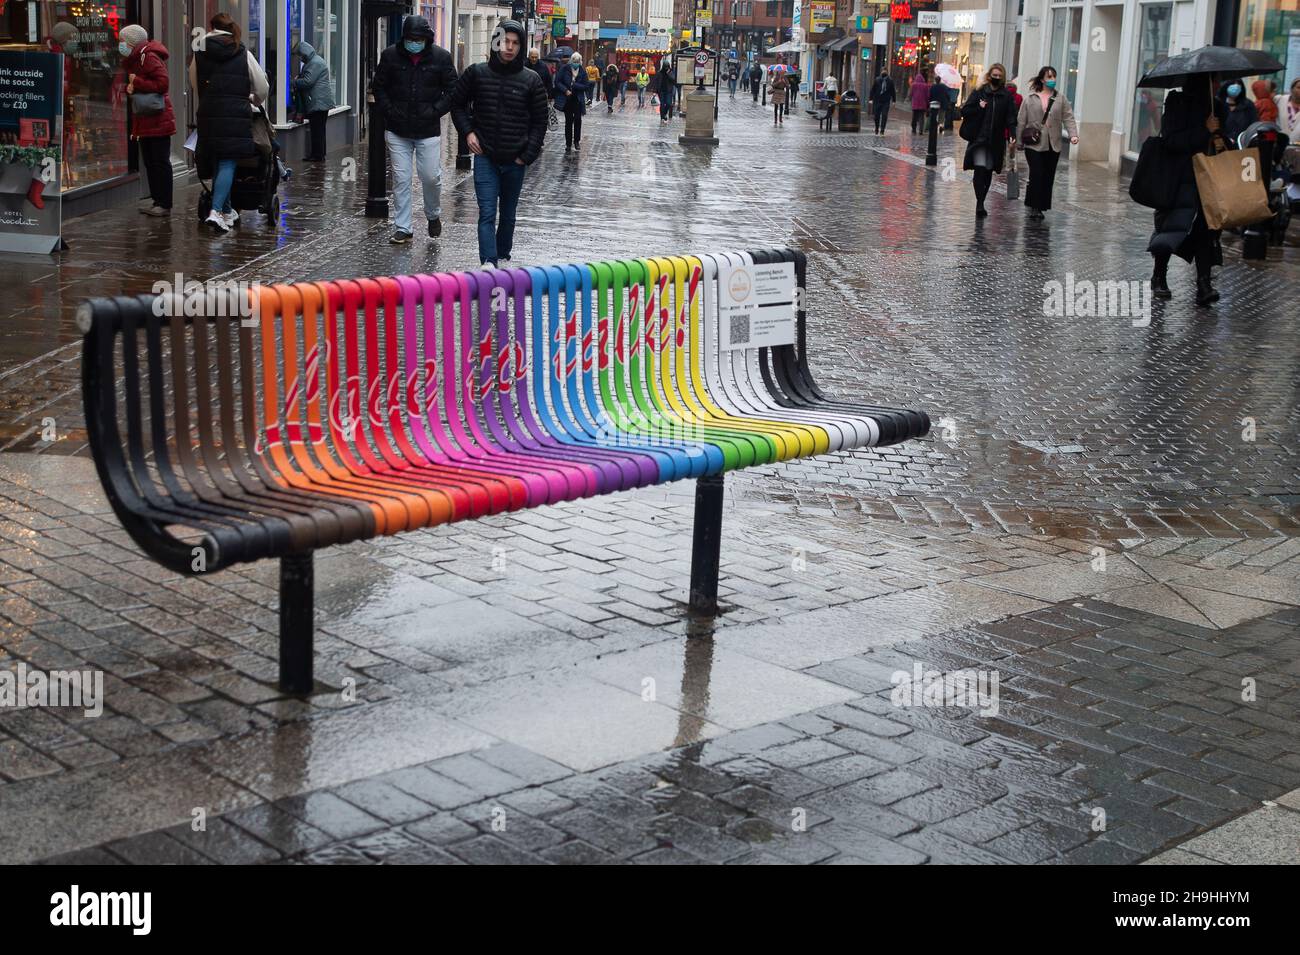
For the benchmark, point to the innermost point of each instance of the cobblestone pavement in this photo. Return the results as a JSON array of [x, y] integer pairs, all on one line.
[[1090, 524]]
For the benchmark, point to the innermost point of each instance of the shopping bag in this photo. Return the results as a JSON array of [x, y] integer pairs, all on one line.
[[1153, 185], [192, 140], [1231, 184], [1013, 180]]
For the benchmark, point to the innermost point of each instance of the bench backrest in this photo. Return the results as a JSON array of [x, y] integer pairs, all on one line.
[[365, 376]]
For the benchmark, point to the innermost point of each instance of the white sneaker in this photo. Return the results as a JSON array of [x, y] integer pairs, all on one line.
[[232, 218], [217, 221]]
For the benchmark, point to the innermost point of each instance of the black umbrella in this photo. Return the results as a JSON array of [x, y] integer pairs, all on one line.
[[1225, 62]]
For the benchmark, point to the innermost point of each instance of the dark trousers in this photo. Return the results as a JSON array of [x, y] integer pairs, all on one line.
[[156, 157], [497, 187], [665, 108], [882, 117], [756, 88], [316, 150], [983, 179], [918, 120], [1042, 173], [572, 126]]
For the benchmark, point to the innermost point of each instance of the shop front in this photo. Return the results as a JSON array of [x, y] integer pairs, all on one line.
[[914, 39], [96, 152], [962, 43], [1272, 26]]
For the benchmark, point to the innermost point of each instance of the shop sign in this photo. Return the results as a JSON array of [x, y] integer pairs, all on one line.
[[31, 139], [927, 19], [899, 12], [823, 16]]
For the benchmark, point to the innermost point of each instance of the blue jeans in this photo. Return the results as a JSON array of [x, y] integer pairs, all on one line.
[[424, 155], [222, 181], [495, 182]]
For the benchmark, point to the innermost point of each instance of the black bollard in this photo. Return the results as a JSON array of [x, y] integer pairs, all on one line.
[[932, 153], [377, 165]]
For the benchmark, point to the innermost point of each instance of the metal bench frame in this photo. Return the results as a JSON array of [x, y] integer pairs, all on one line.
[[359, 408]]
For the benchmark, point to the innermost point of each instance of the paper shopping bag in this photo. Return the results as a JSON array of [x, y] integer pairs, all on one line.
[[1231, 184]]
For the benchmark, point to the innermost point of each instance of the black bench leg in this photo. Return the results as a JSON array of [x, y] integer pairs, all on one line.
[[297, 581], [706, 545]]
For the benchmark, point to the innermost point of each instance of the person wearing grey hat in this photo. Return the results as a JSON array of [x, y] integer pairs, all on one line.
[[500, 108], [412, 85]]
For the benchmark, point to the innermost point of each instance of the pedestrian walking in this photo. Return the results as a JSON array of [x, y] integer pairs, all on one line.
[[881, 96], [412, 85], [1265, 108], [755, 80], [778, 90], [792, 91], [942, 94], [593, 77], [744, 78], [987, 116], [610, 85], [624, 75], [1240, 111], [1188, 126], [572, 89], [665, 89], [733, 77], [314, 95], [1043, 120], [228, 85], [500, 109], [831, 86], [542, 70], [642, 81], [152, 126], [919, 91]]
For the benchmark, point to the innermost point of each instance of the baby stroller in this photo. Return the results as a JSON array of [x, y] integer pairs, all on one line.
[[1272, 144], [257, 178]]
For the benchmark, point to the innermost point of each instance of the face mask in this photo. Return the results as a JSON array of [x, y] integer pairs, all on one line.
[[413, 46], [70, 46], [995, 81], [1234, 90], [1050, 84], [125, 49]]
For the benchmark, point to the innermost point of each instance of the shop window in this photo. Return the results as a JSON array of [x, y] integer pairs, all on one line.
[[1154, 34], [94, 86], [1274, 27], [1067, 24]]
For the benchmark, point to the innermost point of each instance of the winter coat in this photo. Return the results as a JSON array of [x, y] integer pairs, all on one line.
[[780, 86], [942, 94], [1180, 229], [1058, 121], [413, 92], [504, 105], [544, 72], [920, 94], [610, 80], [882, 92], [225, 114], [1239, 118], [571, 85], [665, 84], [995, 123], [1265, 108], [312, 88], [148, 63]]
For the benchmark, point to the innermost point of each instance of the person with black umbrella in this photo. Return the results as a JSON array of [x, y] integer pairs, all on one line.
[[1191, 124]]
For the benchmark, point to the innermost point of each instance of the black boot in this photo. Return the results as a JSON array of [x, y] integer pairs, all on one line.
[[1160, 287], [980, 211], [1205, 293]]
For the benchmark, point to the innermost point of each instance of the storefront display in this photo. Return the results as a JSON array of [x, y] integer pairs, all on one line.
[[1274, 27], [94, 147], [1154, 30]]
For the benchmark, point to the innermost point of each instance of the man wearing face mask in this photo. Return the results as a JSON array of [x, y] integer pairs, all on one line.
[[412, 87], [500, 108], [1241, 111]]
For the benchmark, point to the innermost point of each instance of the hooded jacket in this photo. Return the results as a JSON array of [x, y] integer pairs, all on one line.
[[1265, 108], [503, 104], [224, 86], [148, 63], [311, 87], [412, 91]]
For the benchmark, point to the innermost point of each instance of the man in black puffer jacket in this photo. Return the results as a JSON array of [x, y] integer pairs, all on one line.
[[412, 85], [500, 109]]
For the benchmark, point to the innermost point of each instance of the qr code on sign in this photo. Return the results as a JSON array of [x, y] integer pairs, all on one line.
[[740, 330]]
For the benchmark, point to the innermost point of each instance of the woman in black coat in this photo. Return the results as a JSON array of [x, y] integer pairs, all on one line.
[[988, 123], [1191, 117]]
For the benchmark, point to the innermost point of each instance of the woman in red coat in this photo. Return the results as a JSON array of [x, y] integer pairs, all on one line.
[[145, 62]]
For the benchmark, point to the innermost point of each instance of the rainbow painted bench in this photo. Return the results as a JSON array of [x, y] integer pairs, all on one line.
[[320, 413]]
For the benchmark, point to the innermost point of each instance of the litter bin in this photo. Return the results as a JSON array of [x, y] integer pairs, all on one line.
[[850, 111]]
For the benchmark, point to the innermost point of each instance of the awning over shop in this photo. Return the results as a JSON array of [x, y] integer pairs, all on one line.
[[848, 43], [642, 43], [786, 47]]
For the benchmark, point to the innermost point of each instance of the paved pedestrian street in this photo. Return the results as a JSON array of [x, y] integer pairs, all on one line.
[[1098, 539]]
